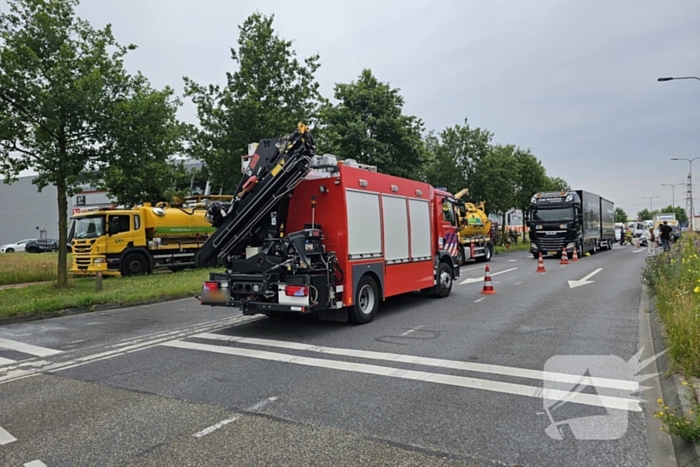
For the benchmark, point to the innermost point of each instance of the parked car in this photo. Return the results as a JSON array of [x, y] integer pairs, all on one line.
[[16, 247], [42, 245]]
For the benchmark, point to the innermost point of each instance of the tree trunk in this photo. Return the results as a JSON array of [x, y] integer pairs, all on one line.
[[504, 240], [62, 235]]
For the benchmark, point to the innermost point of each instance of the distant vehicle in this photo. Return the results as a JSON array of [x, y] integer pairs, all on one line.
[[42, 245], [638, 229], [562, 221], [15, 247]]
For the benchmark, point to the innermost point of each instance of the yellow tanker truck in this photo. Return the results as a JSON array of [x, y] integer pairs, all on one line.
[[474, 233], [136, 241]]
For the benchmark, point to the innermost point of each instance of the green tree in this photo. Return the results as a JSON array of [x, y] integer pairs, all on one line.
[[453, 155], [620, 215], [529, 177], [557, 184], [494, 180], [368, 125], [149, 181], [67, 105], [268, 94], [646, 215]]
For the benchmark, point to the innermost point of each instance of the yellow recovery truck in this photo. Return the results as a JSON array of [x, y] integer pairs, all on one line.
[[136, 241], [474, 231]]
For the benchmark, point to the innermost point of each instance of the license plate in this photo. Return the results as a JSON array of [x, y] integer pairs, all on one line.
[[551, 253], [216, 295]]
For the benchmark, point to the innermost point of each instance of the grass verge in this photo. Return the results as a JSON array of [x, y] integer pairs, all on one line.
[[123, 291], [522, 246], [18, 268], [674, 279]]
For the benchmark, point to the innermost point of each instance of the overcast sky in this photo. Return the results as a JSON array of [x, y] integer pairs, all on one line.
[[574, 81]]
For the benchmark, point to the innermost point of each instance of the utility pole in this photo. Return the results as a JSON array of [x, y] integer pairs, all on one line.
[[689, 202], [650, 198], [673, 191]]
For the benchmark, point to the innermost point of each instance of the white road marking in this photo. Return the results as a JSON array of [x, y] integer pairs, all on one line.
[[27, 348], [472, 280], [410, 331], [17, 372], [223, 423], [512, 260], [471, 269], [480, 299], [213, 428], [6, 361], [36, 463], [427, 361], [584, 281], [518, 283], [451, 380], [5, 437], [637, 251]]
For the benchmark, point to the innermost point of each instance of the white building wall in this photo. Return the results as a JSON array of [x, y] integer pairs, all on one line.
[[23, 208]]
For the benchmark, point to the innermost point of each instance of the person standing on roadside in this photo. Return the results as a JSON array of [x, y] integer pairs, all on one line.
[[665, 235], [651, 241]]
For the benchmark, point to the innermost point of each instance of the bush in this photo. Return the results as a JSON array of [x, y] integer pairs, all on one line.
[[674, 279]]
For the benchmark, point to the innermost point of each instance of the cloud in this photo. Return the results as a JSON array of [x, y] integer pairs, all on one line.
[[573, 81]]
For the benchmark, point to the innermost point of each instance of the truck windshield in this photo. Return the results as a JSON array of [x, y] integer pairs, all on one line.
[[553, 215], [89, 227]]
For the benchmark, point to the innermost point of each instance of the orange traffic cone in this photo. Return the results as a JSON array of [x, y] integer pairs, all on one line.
[[564, 256], [575, 257], [540, 264], [488, 286]]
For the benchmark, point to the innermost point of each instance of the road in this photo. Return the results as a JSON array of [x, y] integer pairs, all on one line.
[[457, 381]]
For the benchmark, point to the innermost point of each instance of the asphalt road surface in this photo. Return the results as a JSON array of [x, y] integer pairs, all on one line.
[[455, 381]]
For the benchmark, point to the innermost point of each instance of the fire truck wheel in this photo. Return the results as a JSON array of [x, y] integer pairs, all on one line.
[[460, 256], [134, 265], [444, 282], [366, 301]]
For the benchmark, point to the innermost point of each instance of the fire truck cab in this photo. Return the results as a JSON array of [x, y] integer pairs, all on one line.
[[337, 243]]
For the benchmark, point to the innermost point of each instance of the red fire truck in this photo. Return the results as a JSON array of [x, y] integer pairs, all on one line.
[[311, 234]]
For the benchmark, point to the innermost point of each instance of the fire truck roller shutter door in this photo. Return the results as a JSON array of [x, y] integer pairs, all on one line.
[[364, 228], [395, 223], [420, 229]]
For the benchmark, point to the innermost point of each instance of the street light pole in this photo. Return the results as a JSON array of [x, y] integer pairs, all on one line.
[[650, 198], [691, 214], [673, 191], [683, 77]]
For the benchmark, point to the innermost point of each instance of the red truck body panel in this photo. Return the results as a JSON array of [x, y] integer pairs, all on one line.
[[337, 195]]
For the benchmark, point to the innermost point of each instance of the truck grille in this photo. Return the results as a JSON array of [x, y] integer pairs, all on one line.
[[552, 244], [82, 248], [82, 261]]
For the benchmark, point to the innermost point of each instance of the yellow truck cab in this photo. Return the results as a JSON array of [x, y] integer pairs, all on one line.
[[138, 240]]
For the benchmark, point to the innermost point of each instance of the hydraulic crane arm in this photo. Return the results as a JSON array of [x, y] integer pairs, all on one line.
[[277, 167]]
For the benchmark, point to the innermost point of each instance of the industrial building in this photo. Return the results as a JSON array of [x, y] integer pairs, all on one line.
[[27, 213]]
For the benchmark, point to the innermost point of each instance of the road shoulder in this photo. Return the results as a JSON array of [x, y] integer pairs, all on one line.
[[663, 447]]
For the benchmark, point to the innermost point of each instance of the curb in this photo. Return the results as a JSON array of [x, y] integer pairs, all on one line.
[[687, 455], [78, 311]]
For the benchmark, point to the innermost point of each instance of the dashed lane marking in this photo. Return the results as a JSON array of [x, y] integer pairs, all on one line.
[[223, 423], [27, 348]]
